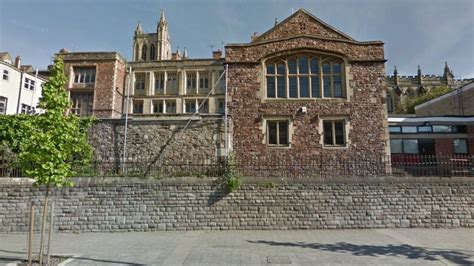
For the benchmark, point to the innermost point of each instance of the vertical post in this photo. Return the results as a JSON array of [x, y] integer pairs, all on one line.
[[226, 137], [130, 80], [30, 236], [43, 224], [51, 222]]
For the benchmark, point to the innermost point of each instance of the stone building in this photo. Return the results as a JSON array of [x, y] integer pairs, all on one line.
[[400, 89], [304, 90], [96, 82], [170, 84]]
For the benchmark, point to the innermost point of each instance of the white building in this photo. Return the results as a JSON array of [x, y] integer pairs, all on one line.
[[20, 87]]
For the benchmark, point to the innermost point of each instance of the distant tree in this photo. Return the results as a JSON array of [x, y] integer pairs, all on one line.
[[433, 93]]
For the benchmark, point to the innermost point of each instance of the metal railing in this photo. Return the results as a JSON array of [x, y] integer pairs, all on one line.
[[317, 167]]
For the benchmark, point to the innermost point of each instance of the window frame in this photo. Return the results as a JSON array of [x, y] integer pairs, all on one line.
[[466, 141], [6, 74], [333, 133], [3, 105], [310, 75], [137, 104], [82, 73], [288, 133], [29, 84]]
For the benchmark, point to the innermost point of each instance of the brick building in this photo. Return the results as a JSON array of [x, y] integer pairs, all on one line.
[[305, 90], [96, 82]]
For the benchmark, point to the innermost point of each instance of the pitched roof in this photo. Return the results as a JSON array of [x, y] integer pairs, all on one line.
[[319, 28]]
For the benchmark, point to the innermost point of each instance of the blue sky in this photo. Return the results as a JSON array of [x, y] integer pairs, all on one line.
[[415, 32]]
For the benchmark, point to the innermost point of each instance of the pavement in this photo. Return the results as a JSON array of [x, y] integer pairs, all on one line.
[[308, 247]]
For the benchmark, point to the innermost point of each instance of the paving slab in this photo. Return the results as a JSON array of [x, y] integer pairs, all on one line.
[[306, 247]]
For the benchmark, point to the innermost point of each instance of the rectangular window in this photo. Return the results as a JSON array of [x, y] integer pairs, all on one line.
[[442, 129], [82, 103], [424, 129], [29, 84], [191, 87], [203, 82], [334, 134], [278, 133], [190, 106], [396, 146], [5, 74], [159, 83], [138, 107], [409, 129], [26, 109], [140, 83], [394, 129], [203, 106], [172, 83], [221, 106], [3, 105], [157, 107], [410, 146], [460, 146], [170, 107], [84, 75]]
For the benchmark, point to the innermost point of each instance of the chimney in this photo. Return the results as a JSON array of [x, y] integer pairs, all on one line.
[[217, 54], [18, 62]]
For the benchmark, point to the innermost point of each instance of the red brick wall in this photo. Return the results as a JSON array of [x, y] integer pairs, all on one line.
[[109, 71], [365, 108], [444, 146]]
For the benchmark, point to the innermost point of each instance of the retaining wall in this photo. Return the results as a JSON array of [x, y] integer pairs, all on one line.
[[107, 205]]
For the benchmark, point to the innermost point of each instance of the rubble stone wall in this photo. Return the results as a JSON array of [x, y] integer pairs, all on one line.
[[109, 205]]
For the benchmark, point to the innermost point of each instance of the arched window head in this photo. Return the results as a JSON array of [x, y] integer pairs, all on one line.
[[305, 76], [144, 48], [152, 52]]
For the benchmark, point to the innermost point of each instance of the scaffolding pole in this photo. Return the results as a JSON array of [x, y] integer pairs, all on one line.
[[127, 103]]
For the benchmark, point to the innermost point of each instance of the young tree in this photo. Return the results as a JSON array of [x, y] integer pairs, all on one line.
[[54, 140]]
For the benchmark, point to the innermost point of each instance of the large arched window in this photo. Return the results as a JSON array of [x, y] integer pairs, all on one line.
[[144, 52], [152, 52], [305, 76]]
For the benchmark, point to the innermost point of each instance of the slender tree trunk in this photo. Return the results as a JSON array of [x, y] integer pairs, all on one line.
[[43, 224], [30, 237], [50, 232]]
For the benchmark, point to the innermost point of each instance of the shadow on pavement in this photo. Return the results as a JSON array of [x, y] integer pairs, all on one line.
[[410, 252]]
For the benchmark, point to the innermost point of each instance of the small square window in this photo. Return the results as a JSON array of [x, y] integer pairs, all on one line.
[[138, 107], [278, 133], [170, 107], [334, 133], [5, 74]]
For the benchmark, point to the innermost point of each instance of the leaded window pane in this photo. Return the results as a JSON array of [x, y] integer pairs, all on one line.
[[314, 66], [337, 83], [281, 69], [327, 127], [292, 66], [272, 133], [283, 133], [336, 68], [327, 86], [271, 87], [293, 87], [281, 87], [303, 65], [304, 87], [326, 68], [315, 90], [270, 69], [339, 131]]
